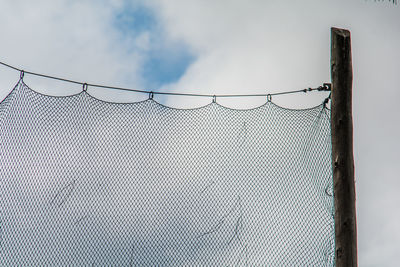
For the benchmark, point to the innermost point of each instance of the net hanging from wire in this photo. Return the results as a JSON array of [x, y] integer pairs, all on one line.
[[86, 182]]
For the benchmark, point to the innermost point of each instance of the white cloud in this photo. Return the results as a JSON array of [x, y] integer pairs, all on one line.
[[71, 39], [256, 47]]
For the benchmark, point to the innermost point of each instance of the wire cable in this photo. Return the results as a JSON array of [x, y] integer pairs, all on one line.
[[324, 87]]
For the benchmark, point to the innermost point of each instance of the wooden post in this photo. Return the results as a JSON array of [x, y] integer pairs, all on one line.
[[342, 149]]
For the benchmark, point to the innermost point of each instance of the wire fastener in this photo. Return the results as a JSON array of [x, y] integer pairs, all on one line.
[[84, 87]]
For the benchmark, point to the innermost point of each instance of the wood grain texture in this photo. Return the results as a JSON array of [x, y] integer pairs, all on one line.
[[342, 149]]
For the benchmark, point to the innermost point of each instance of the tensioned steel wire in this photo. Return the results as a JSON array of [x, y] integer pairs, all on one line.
[[324, 87], [86, 182]]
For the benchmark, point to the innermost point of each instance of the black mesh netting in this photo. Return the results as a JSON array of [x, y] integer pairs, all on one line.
[[86, 182]]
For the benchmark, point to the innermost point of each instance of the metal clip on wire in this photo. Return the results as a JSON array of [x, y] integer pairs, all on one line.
[[214, 100], [269, 98], [84, 87], [327, 100], [21, 74], [151, 95]]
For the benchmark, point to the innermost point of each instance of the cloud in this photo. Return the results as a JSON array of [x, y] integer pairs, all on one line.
[[71, 39], [247, 48], [114, 43]]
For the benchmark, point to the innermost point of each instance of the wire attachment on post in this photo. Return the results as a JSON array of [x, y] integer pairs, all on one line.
[[325, 87], [327, 100]]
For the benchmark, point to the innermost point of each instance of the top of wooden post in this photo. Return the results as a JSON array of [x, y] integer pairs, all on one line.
[[341, 32]]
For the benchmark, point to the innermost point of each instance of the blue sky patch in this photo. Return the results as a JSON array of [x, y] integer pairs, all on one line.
[[166, 65], [165, 61], [133, 20]]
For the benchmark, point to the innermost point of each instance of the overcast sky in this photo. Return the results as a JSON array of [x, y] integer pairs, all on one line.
[[234, 46]]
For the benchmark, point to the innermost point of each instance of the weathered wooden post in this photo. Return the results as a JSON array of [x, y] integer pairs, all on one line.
[[342, 149]]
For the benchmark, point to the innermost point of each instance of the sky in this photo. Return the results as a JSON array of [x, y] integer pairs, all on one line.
[[218, 47]]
